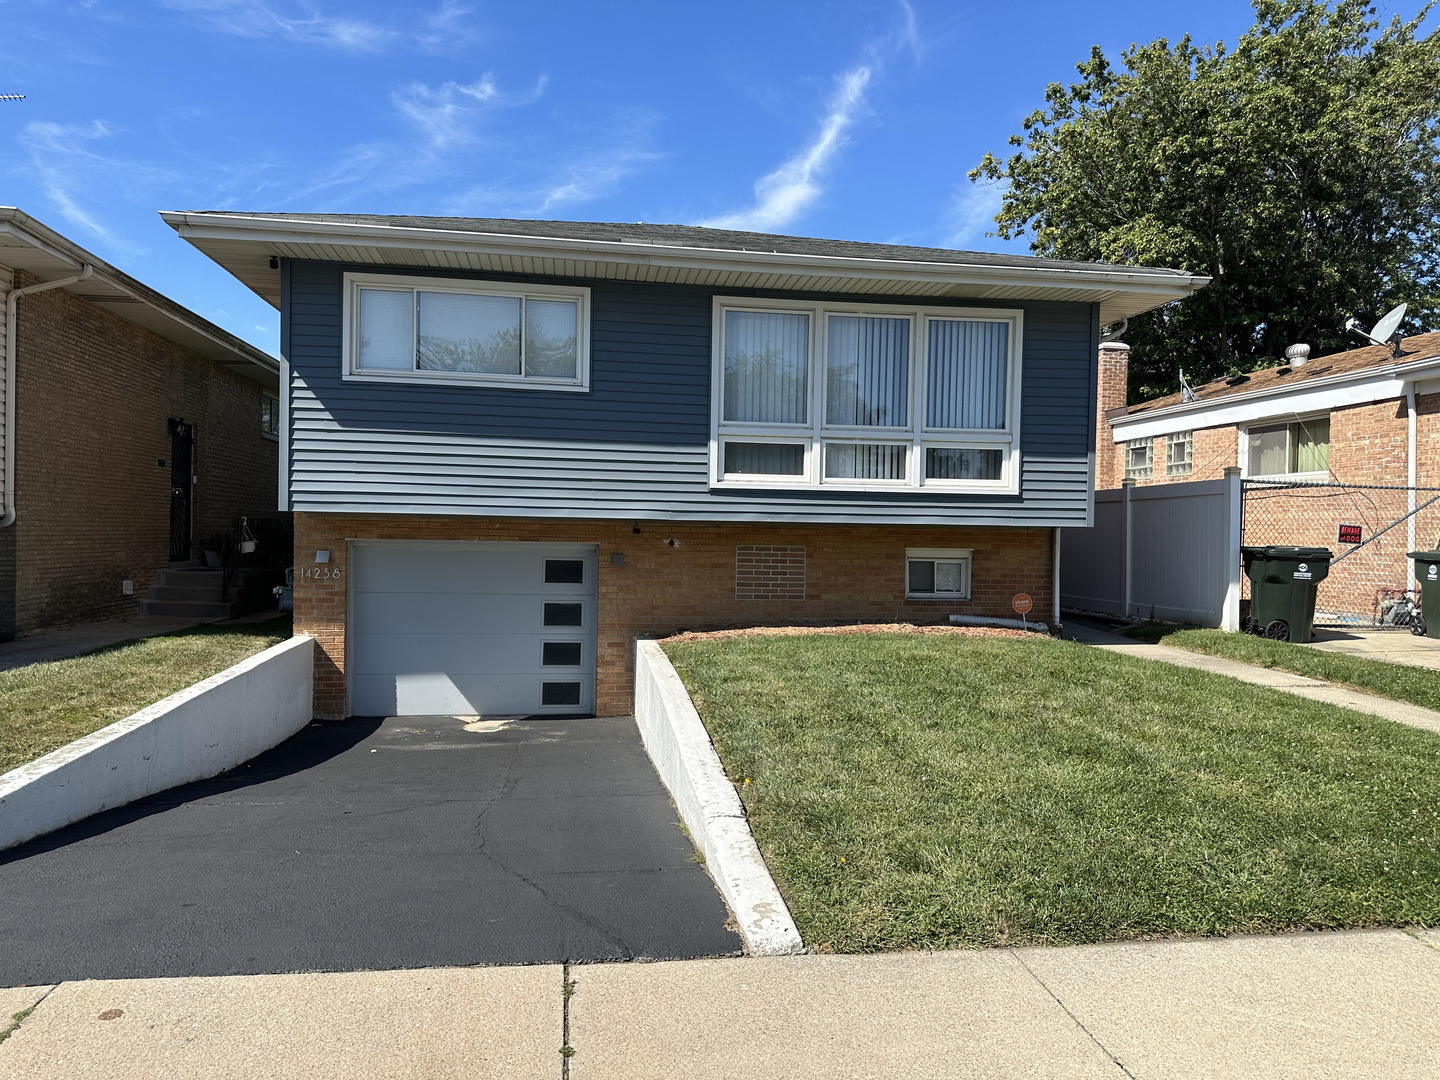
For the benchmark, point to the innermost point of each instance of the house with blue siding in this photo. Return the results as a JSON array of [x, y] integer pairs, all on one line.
[[511, 447]]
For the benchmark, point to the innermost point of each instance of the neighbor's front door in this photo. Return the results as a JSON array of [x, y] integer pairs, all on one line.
[[182, 478]]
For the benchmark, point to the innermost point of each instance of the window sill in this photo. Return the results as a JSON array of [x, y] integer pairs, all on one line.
[[843, 488], [953, 598], [473, 381], [1307, 477]]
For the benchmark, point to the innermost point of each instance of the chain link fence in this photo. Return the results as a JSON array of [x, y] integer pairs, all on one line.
[[1367, 526]]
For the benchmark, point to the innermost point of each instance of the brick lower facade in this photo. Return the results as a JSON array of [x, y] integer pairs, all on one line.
[[94, 394], [851, 573]]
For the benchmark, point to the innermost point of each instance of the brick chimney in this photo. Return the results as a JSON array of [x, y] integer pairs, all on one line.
[[1113, 388]]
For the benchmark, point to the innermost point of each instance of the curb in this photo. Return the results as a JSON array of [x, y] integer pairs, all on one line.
[[193, 734], [680, 747]]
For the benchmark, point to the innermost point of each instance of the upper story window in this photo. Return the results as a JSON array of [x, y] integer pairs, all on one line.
[[1140, 459], [1283, 449], [270, 417], [467, 332], [1180, 453], [877, 397]]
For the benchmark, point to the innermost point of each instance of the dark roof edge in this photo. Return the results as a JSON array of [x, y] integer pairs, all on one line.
[[68, 249]]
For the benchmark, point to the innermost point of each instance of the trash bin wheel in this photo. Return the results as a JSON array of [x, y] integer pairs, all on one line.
[[1279, 630], [1417, 626]]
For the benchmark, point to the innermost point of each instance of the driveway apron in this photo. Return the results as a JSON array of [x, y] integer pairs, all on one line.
[[373, 844]]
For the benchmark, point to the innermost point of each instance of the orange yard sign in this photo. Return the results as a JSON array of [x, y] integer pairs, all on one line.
[[1022, 603]]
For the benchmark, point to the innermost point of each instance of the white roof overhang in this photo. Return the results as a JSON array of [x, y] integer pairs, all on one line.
[[244, 245]]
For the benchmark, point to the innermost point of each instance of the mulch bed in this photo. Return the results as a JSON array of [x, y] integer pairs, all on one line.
[[856, 628]]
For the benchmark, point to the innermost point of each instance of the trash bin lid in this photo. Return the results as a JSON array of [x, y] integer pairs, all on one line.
[[1424, 556], [1289, 551]]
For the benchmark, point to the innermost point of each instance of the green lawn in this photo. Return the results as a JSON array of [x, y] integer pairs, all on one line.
[[931, 792], [1402, 682], [44, 706]]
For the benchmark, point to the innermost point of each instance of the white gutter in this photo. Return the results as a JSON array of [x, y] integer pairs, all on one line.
[[1410, 369], [11, 353]]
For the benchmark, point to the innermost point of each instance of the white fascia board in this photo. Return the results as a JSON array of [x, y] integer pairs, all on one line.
[[1352, 388], [1163, 287]]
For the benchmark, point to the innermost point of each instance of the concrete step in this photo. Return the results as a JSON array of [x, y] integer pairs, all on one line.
[[212, 579], [197, 593], [193, 609]]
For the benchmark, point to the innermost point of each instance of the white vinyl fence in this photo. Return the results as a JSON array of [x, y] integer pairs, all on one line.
[[1169, 552]]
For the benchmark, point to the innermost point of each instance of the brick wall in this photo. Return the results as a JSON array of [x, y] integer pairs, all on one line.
[[852, 574], [94, 395], [1112, 386]]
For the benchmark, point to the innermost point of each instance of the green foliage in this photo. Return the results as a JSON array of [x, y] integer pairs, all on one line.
[[1301, 171], [942, 792]]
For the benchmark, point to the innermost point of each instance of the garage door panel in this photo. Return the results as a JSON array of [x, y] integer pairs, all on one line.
[[455, 568], [460, 628], [443, 614], [432, 693], [475, 653]]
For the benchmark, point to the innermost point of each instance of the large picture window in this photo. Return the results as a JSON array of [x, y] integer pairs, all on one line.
[[877, 397], [462, 332]]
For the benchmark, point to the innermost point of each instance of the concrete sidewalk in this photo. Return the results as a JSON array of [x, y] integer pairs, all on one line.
[[1392, 646], [1321, 1005], [1399, 711]]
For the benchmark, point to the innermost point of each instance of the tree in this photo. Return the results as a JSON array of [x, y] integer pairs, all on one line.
[[1301, 171]]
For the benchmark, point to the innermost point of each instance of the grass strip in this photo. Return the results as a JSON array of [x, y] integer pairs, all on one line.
[[44, 706], [917, 792], [1400, 682]]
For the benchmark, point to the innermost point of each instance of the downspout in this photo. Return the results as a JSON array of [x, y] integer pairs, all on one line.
[[1055, 584], [1410, 477], [11, 351]]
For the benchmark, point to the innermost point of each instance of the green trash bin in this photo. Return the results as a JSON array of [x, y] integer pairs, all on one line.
[[1427, 572], [1283, 580]]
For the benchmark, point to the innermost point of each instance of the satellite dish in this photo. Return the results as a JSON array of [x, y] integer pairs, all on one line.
[[1380, 333]]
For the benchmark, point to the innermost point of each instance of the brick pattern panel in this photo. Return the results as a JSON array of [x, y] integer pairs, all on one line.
[[769, 573], [853, 574], [94, 394]]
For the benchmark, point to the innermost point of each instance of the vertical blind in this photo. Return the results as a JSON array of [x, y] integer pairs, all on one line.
[[767, 367], [865, 461], [387, 329], [867, 371], [968, 369]]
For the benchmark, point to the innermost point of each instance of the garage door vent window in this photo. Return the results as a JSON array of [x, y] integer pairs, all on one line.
[[561, 654], [560, 693], [564, 571], [564, 614]]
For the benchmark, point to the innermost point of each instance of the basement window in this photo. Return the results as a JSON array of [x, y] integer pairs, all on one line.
[[1139, 459], [937, 573], [1180, 453]]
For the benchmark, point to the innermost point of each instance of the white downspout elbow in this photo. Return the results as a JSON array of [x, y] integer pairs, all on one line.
[[7, 518]]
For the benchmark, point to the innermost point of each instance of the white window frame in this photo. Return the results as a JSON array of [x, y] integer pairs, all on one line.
[[916, 435], [1149, 473], [350, 312], [1172, 467], [1288, 423], [961, 555]]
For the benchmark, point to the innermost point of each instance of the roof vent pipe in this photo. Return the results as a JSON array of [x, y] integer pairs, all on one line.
[[1297, 355]]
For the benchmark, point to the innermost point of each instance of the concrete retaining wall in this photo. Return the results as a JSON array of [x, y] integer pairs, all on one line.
[[678, 744], [203, 730]]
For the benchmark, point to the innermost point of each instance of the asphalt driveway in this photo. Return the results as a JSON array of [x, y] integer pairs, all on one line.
[[368, 845]]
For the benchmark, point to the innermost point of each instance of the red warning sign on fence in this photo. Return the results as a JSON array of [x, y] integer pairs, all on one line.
[[1350, 534]]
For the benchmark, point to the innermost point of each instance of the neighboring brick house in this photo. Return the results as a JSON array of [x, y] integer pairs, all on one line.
[[1365, 422], [104, 380], [513, 446]]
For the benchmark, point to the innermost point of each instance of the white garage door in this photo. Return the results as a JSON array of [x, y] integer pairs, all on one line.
[[471, 628]]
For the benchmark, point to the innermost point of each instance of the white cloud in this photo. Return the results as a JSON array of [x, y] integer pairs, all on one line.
[[305, 25], [66, 164], [445, 115], [972, 213], [783, 195], [579, 178]]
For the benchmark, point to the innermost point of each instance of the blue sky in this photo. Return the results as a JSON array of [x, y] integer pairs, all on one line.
[[855, 120]]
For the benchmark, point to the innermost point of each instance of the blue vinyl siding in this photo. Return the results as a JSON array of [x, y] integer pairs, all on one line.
[[636, 445]]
